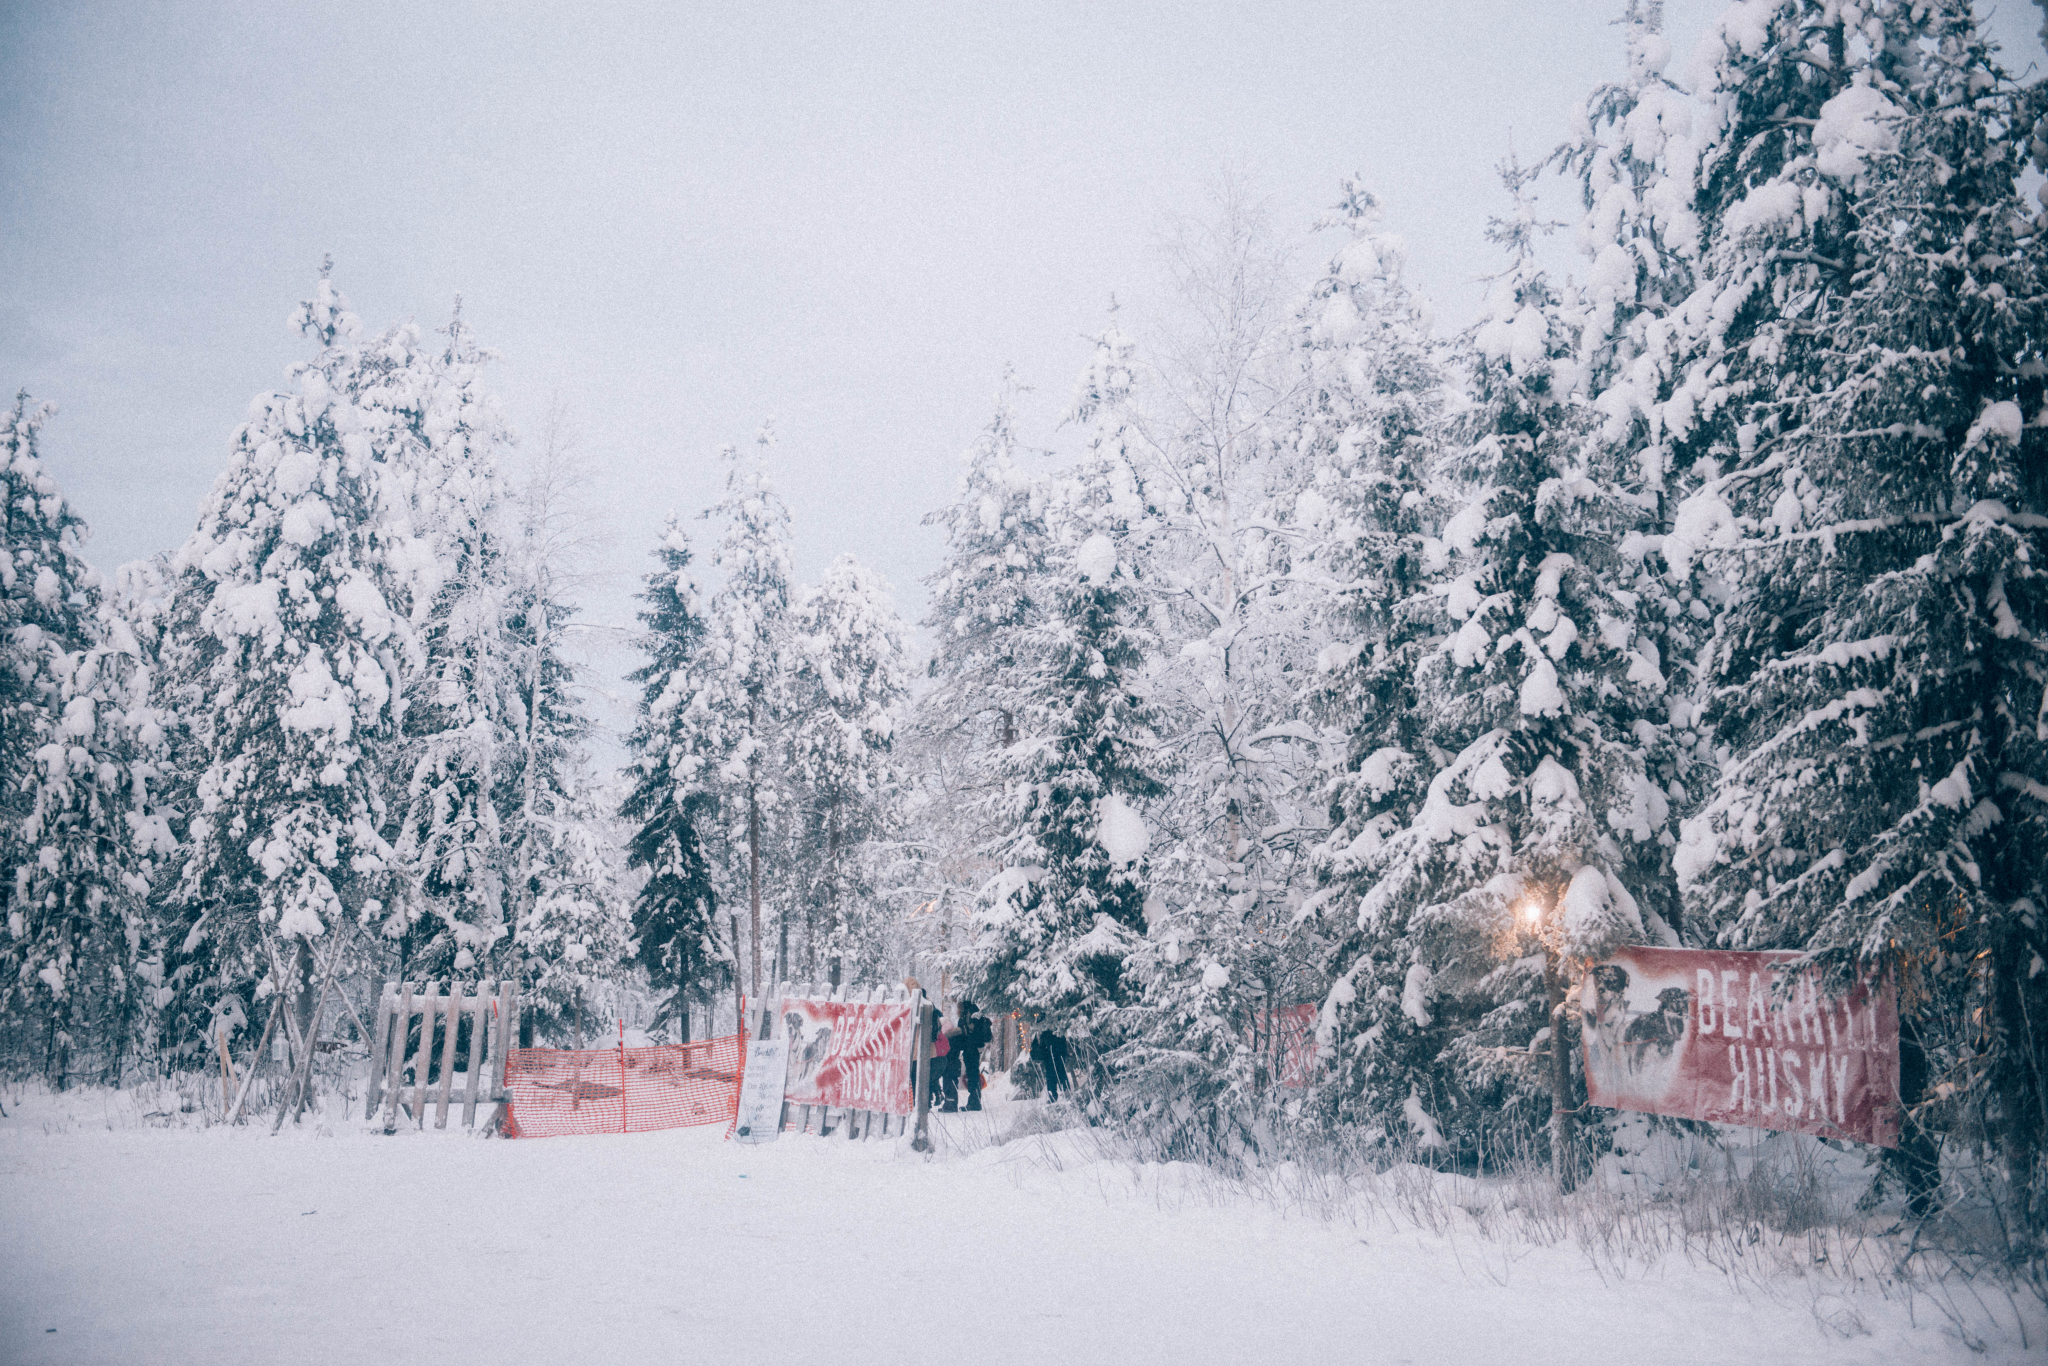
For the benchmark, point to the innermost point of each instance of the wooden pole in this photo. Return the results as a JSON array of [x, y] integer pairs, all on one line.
[[227, 1073], [1560, 1076], [754, 873], [452, 1013], [291, 1023], [401, 1026], [305, 1070], [923, 1142], [480, 1009], [508, 1006], [249, 1071], [425, 1063], [380, 1046]]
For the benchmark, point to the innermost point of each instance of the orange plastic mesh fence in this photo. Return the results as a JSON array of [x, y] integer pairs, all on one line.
[[558, 1091]]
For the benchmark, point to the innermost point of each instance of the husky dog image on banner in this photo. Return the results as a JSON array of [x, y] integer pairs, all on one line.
[[1742, 1038], [848, 1055]]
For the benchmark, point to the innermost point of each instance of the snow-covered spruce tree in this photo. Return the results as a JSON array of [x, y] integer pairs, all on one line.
[[677, 743], [76, 744], [988, 597], [144, 596], [1066, 909], [1636, 164], [562, 849], [1507, 823], [987, 592], [1635, 160], [305, 567], [1347, 438], [456, 725], [1876, 514], [1208, 431], [748, 638], [162, 606], [847, 687]]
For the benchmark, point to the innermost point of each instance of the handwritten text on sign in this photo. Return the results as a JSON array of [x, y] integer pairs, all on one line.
[[1742, 1038], [849, 1056]]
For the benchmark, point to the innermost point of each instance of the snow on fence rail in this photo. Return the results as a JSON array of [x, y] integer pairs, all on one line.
[[491, 1012]]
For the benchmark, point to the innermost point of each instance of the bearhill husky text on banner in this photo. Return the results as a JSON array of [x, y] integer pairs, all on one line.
[[1743, 1038]]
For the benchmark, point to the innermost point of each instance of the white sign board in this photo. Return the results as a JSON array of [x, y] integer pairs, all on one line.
[[760, 1117]]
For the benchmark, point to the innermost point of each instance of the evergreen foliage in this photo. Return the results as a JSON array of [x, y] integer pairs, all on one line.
[[847, 684], [673, 801], [77, 740], [1869, 500], [1067, 908]]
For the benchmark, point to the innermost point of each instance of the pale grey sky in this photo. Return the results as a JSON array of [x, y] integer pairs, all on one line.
[[682, 218]]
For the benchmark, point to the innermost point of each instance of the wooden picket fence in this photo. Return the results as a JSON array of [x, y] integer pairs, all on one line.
[[492, 1010], [860, 1124]]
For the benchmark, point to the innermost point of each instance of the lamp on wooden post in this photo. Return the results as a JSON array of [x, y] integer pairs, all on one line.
[[1536, 914]]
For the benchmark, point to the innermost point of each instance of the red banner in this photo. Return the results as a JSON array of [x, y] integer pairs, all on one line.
[[849, 1056], [1742, 1038], [1289, 1037]]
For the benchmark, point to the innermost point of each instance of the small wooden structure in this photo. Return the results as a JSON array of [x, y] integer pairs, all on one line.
[[492, 1012]]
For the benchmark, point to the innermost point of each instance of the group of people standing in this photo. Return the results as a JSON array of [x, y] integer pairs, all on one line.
[[955, 1051]]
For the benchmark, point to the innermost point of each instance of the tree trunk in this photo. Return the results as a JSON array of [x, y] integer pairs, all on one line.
[[782, 945], [118, 1027], [832, 893], [302, 991], [739, 1016], [57, 1052], [1560, 1076], [754, 877]]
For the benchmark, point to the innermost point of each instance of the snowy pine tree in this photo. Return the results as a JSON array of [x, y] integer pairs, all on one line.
[[1066, 909], [847, 686], [1869, 499], [563, 851], [988, 597], [749, 639], [77, 740], [678, 743], [305, 569], [987, 594], [1635, 160], [1512, 823], [457, 721]]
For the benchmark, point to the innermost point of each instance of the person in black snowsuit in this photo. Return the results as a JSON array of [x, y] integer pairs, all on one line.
[[975, 1033], [1049, 1051]]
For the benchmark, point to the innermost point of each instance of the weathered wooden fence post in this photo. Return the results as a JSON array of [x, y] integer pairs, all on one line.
[[923, 1141], [401, 1026]]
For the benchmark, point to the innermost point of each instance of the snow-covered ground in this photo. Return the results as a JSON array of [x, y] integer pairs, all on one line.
[[132, 1243]]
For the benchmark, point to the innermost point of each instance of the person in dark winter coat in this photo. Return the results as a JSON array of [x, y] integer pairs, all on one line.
[[974, 1034], [1049, 1051]]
